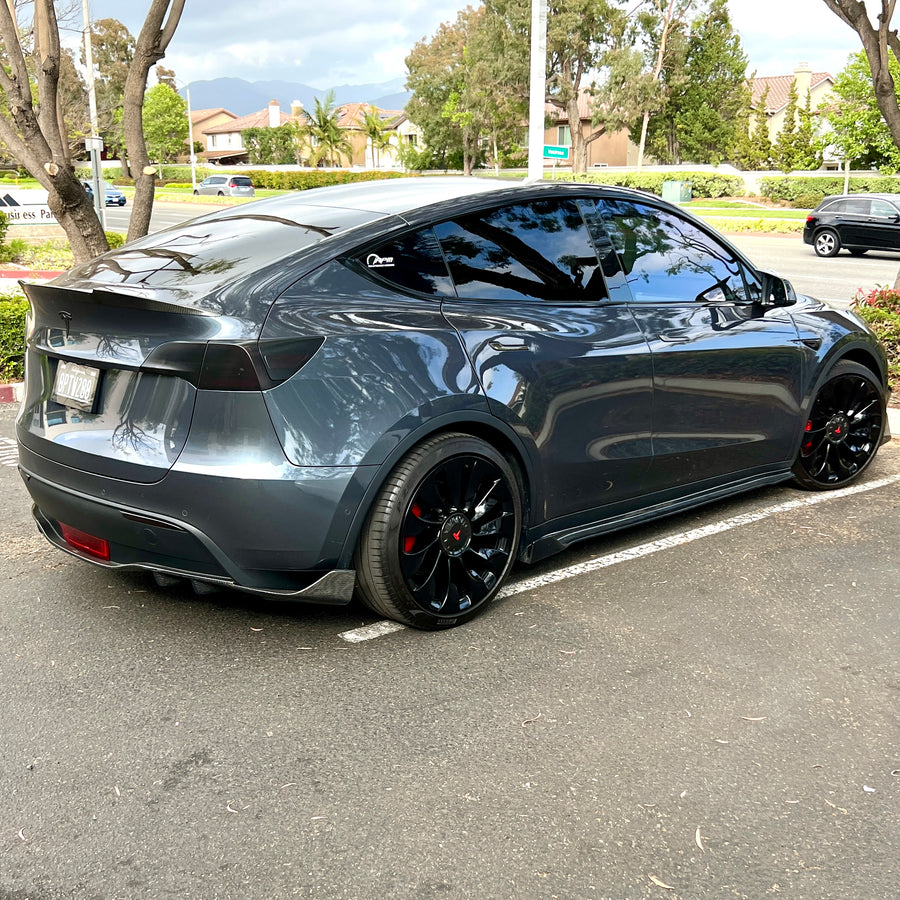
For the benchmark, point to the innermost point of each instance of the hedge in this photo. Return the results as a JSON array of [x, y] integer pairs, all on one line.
[[292, 180], [13, 308], [703, 184], [795, 188], [881, 309]]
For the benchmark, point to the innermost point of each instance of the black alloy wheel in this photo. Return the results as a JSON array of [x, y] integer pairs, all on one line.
[[442, 535], [826, 242], [843, 431]]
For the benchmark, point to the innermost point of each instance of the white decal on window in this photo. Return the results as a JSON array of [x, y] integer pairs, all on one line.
[[374, 261]]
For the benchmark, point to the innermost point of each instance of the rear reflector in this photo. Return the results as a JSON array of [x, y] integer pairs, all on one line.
[[86, 543]]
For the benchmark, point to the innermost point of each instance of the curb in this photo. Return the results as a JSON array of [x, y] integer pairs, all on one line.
[[16, 274], [12, 393]]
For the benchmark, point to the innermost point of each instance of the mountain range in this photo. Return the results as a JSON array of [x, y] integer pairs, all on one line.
[[245, 97]]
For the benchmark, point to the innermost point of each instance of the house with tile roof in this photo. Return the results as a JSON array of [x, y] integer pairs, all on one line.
[[204, 119], [225, 143], [613, 149], [817, 85]]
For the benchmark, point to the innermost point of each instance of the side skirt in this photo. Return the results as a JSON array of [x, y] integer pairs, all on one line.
[[556, 541]]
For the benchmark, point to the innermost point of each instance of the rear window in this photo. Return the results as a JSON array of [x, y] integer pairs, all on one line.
[[205, 253], [241, 181]]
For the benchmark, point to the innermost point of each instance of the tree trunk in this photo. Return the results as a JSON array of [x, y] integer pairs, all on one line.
[[149, 49], [878, 44], [34, 138]]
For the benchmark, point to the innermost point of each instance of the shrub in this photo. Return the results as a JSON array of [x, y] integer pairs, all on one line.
[[114, 239], [881, 309], [13, 309], [807, 201], [792, 187], [703, 184]]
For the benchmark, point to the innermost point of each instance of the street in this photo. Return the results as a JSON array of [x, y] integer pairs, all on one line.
[[701, 708]]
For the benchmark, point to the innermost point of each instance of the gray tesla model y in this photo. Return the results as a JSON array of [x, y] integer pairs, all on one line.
[[400, 388]]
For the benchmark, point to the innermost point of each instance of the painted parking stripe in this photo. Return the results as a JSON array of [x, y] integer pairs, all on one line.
[[685, 537], [675, 540], [371, 631], [9, 453]]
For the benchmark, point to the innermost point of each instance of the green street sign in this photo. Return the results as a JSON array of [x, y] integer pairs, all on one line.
[[553, 152]]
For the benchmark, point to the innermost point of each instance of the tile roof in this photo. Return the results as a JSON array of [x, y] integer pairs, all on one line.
[[253, 120], [353, 114], [779, 87]]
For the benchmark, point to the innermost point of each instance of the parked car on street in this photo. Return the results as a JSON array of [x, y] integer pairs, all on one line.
[[402, 387], [114, 197], [226, 186], [854, 222]]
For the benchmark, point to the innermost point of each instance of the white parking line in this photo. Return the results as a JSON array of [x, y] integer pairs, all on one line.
[[9, 454], [675, 540]]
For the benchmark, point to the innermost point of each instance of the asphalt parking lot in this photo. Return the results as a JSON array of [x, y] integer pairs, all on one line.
[[703, 708]]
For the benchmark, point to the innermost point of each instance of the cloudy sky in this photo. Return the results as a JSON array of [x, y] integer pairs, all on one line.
[[324, 44]]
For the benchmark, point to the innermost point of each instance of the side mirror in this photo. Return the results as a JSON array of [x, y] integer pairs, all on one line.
[[776, 291]]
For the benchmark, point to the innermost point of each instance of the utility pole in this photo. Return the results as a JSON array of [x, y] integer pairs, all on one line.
[[193, 156], [94, 142], [537, 100]]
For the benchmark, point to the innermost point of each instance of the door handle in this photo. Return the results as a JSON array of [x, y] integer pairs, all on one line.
[[503, 344], [673, 337]]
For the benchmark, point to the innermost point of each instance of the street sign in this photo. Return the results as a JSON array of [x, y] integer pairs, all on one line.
[[551, 151]]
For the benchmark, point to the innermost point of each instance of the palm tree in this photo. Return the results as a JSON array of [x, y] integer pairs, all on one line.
[[328, 137], [373, 128]]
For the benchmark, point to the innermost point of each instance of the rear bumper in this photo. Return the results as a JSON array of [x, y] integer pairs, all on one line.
[[275, 538]]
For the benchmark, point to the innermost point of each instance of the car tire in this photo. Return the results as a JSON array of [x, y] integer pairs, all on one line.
[[442, 535], [220, 194], [858, 251], [826, 242], [844, 429], [196, 193]]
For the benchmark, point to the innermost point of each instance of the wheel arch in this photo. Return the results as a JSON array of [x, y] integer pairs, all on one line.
[[479, 425]]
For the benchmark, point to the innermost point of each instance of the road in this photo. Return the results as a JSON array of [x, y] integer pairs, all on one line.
[[835, 279], [709, 703]]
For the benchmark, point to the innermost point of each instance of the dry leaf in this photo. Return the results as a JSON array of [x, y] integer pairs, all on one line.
[[531, 720], [698, 840], [661, 884], [754, 718], [255, 629]]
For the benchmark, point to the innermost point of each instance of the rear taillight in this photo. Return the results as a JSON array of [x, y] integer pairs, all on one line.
[[240, 366], [810, 219], [86, 543]]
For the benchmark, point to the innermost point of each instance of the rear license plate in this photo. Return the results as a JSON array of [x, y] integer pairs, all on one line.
[[75, 385]]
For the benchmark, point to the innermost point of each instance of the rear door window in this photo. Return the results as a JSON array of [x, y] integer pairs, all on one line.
[[539, 250]]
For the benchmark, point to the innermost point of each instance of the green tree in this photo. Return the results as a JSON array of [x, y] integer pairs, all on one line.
[[112, 48], [270, 146], [759, 155], [445, 102], [706, 92], [784, 149], [30, 127], [857, 129], [327, 137], [373, 128], [881, 46], [165, 123]]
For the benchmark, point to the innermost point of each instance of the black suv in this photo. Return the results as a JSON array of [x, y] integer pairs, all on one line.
[[855, 222]]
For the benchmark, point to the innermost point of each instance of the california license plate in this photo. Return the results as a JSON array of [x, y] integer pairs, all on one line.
[[75, 385]]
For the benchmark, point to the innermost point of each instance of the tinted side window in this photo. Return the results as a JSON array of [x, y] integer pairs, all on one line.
[[538, 250], [412, 262], [883, 210], [857, 206], [668, 259]]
